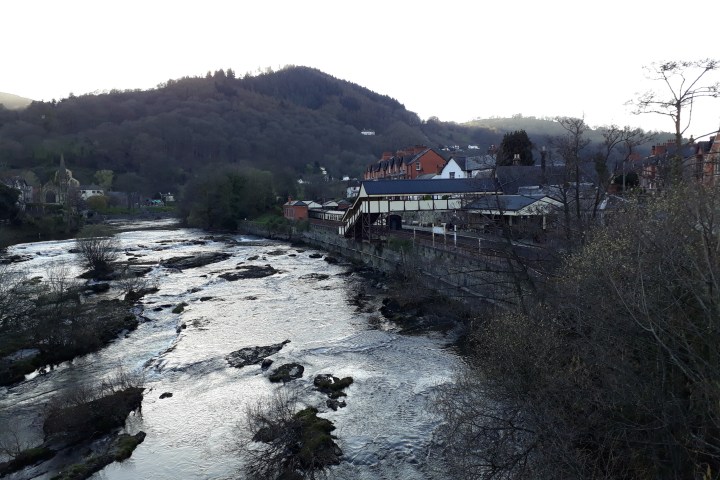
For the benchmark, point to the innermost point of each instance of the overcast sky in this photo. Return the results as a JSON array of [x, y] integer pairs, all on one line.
[[453, 59]]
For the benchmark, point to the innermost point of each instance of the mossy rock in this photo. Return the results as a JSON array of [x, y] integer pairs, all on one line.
[[317, 445]]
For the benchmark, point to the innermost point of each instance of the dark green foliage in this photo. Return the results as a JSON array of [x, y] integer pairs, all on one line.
[[629, 180], [219, 200], [8, 202], [516, 143]]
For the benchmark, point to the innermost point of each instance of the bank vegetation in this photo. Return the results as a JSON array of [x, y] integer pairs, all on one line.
[[613, 371]]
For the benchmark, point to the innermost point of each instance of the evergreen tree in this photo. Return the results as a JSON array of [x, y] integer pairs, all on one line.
[[516, 143]]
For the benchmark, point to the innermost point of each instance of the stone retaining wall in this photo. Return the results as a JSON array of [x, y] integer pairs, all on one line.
[[472, 279]]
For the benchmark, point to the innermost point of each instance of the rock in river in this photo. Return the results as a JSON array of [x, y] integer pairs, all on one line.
[[192, 261], [249, 271], [253, 355], [285, 373]]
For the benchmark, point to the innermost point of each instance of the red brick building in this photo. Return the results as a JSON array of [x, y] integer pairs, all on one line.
[[406, 164], [298, 209]]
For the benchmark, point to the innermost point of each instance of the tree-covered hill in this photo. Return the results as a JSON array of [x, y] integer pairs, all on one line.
[[290, 123]]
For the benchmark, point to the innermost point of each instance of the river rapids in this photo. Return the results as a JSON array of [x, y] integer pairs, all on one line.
[[386, 429]]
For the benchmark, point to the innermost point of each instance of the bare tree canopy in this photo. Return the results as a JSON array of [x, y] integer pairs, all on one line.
[[685, 82]]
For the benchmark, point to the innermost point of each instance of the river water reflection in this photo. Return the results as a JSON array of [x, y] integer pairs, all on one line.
[[386, 429]]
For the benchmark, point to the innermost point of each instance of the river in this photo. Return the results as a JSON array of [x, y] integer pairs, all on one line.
[[386, 429]]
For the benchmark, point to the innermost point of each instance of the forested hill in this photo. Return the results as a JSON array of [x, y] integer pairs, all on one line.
[[289, 122], [542, 130]]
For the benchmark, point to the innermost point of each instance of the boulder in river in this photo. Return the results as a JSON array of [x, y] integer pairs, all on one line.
[[286, 372], [249, 271], [332, 386], [253, 355], [193, 261]]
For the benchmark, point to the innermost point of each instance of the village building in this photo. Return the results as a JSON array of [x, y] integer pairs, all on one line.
[[87, 191], [61, 188], [406, 164]]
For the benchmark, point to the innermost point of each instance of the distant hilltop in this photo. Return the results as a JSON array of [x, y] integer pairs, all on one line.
[[14, 102]]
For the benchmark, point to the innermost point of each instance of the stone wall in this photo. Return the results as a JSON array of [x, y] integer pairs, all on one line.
[[472, 279]]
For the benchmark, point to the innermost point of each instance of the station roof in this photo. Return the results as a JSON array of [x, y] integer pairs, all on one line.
[[386, 188], [508, 203]]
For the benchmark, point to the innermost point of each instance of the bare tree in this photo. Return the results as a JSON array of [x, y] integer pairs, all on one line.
[[685, 82], [12, 442], [17, 296], [571, 148], [98, 248], [617, 142]]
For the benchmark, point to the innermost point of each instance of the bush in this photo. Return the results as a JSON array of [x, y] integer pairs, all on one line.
[[98, 248], [296, 444]]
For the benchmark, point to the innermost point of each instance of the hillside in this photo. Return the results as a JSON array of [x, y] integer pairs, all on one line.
[[542, 130], [13, 102], [290, 122]]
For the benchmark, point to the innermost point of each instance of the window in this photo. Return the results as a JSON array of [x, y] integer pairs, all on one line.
[[452, 174], [418, 167]]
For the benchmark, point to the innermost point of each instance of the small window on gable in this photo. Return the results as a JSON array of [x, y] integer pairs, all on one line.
[[418, 167], [452, 174]]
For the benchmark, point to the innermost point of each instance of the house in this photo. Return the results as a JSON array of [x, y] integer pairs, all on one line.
[[653, 169], [408, 163], [25, 189], [353, 188], [466, 166], [87, 191], [298, 209], [454, 168], [706, 161]]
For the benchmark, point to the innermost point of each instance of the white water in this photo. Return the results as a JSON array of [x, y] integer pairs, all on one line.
[[385, 431]]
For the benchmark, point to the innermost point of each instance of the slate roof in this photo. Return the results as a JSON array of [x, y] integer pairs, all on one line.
[[474, 162], [428, 187], [512, 178], [509, 203]]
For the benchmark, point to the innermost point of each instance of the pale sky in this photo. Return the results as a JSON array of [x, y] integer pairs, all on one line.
[[453, 59]]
